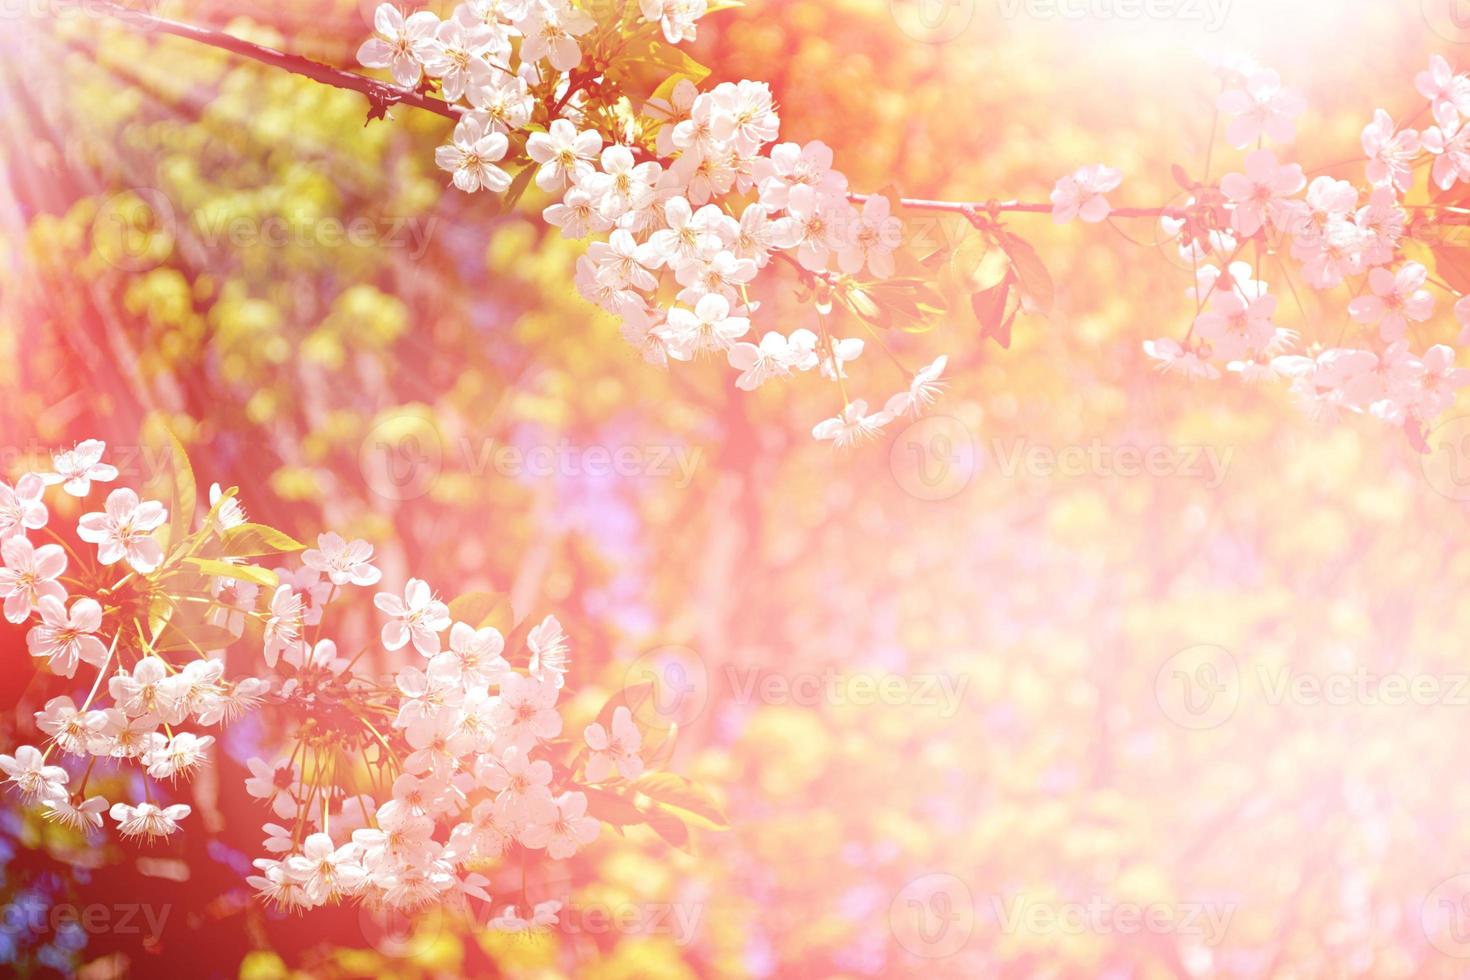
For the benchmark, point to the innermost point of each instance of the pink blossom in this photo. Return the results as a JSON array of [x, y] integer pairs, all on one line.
[[1262, 194], [30, 575], [125, 530], [1262, 108], [21, 509], [1441, 86], [1396, 298], [64, 638], [1390, 155], [1081, 194]]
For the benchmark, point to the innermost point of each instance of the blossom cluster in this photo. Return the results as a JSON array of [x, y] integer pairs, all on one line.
[[687, 200], [393, 792], [1336, 232]]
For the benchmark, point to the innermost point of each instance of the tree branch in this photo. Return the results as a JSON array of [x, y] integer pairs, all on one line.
[[383, 96]]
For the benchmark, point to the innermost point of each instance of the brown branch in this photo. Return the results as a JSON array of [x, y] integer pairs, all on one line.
[[978, 209], [381, 94]]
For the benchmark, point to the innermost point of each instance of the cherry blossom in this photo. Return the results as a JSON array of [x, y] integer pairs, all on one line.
[[148, 820], [401, 45], [65, 638], [565, 155], [852, 426], [922, 390], [1441, 86], [1082, 194], [28, 770], [617, 749], [125, 530], [525, 711], [1396, 299], [470, 157], [1263, 194], [417, 617], [75, 469], [79, 816], [21, 508], [29, 575], [1262, 108], [229, 513], [1391, 154], [567, 832], [342, 561]]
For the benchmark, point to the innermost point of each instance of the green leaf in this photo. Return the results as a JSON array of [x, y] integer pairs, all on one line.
[[1037, 291], [645, 64], [631, 696], [668, 826], [517, 187], [253, 540], [995, 309], [683, 794], [204, 636], [173, 483], [481, 609], [613, 809], [244, 573]]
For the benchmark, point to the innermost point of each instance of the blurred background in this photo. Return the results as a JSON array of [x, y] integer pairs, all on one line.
[[1085, 676]]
